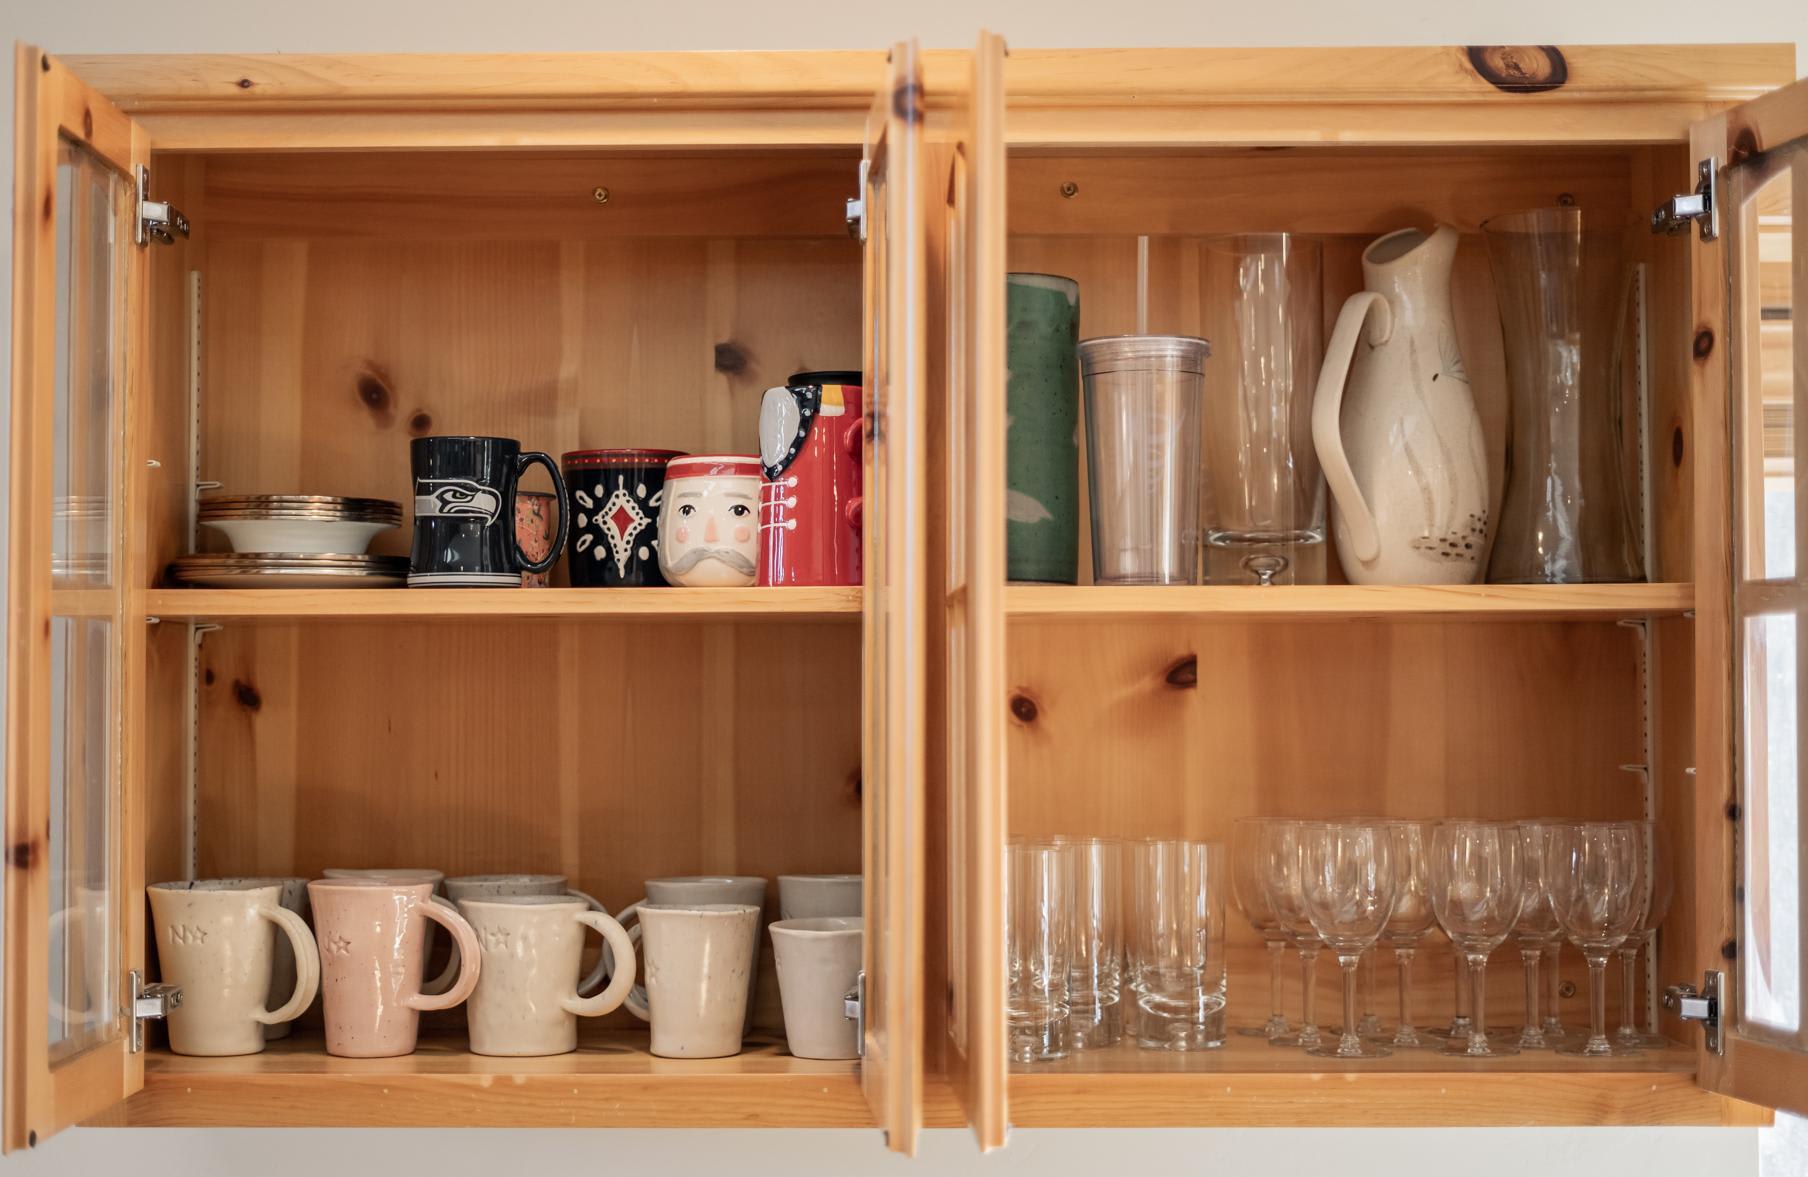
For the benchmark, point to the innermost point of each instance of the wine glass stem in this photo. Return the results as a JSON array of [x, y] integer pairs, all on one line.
[[1553, 980], [1308, 1035], [1277, 964], [1351, 1041], [1478, 1017], [1529, 956], [1462, 990], [1368, 987], [1597, 1000], [1628, 964], [1403, 959]]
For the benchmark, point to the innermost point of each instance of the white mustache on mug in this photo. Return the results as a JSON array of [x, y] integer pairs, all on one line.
[[732, 557]]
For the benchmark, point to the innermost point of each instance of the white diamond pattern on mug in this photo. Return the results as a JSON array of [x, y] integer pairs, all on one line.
[[624, 517]]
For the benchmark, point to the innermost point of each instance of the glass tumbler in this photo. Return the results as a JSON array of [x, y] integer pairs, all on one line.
[[1145, 398], [1095, 969], [1262, 295], [1039, 902], [1176, 944]]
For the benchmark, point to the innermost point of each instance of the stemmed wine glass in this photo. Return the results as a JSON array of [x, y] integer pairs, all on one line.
[[1411, 917], [1347, 882], [1535, 930], [1477, 890], [1659, 887], [1282, 887], [1596, 876], [1246, 885]]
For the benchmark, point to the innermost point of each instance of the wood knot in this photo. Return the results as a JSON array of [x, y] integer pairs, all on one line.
[[907, 103], [731, 359], [855, 785], [1730, 950], [244, 83], [421, 424], [247, 695], [87, 123], [207, 676], [1184, 672], [1745, 145], [1733, 811], [1520, 69], [22, 854], [44, 62], [374, 394], [1676, 447], [1703, 346], [1024, 708]]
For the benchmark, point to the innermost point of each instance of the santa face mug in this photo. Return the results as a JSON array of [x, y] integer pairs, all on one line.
[[709, 526], [615, 495]]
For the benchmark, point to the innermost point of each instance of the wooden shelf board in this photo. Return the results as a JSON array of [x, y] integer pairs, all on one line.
[[654, 604], [1250, 1084], [1336, 602]]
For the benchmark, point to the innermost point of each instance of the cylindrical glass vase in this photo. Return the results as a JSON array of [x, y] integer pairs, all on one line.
[[1564, 288], [1042, 447]]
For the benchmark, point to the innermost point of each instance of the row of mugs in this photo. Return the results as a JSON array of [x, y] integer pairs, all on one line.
[[235, 946]]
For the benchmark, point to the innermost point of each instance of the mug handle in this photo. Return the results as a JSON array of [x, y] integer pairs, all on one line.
[[1327, 413], [470, 957], [854, 440], [307, 966], [623, 981], [443, 982], [603, 958], [536, 458], [636, 1001]]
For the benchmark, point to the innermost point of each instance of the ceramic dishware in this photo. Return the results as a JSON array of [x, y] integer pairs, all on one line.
[[709, 526], [810, 453], [311, 524], [465, 491], [526, 1001], [700, 964], [463, 887], [809, 896], [292, 894], [216, 939], [818, 963], [536, 525], [615, 497], [1042, 430], [699, 890]]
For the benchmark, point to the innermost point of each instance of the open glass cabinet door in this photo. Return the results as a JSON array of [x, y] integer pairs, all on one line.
[[973, 607], [1752, 600], [891, 225], [76, 624]]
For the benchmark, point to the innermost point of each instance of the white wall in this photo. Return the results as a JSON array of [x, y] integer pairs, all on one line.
[[124, 26]]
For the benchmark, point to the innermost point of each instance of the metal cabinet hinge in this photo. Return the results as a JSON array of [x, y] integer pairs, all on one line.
[[1701, 1005], [1701, 206], [856, 207], [853, 1008], [150, 1001], [158, 220]]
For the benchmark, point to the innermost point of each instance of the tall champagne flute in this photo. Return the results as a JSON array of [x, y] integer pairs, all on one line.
[[1411, 917], [1596, 876], [1477, 889], [1660, 886], [1282, 887], [1536, 928], [1246, 885], [1347, 882]]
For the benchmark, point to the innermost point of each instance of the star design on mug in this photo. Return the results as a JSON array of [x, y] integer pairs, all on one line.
[[495, 939], [338, 945]]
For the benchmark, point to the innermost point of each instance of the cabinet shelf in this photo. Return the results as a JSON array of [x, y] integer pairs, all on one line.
[[631, 605], [1337, 602]]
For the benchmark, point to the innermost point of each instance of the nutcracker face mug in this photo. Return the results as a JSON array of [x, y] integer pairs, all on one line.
[[709, 529]]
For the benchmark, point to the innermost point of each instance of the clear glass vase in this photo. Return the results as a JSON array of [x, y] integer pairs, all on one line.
[[1564, 289]]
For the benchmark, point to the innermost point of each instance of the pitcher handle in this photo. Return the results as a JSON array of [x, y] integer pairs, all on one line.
[[1327, 412]]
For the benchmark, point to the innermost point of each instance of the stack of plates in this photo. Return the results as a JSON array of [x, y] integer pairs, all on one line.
[[309, 524], [289, 570], [80, 538]]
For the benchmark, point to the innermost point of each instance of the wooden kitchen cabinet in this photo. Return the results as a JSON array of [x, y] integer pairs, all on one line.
[[595, 249]]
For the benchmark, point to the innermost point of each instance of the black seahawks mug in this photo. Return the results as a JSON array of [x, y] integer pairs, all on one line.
[[464, 512]]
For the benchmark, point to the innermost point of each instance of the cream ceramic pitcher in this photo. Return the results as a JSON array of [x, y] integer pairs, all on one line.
[[1395, 425]]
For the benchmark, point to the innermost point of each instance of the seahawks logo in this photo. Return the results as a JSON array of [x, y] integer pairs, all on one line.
[[456, 496]]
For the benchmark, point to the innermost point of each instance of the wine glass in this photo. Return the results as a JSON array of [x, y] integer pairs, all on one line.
[[1535, 929], [1477, 889], [1596, 875], [1411, 917], [1246, 885], [1659, 887], [1282, 887], [1347, 882]]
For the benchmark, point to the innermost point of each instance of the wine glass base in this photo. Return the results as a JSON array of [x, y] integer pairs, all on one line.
[[1641, 1041], [1294, 1040], [1462, 1049], [1329, 1049], [1559, 1031], [1584, 1048]]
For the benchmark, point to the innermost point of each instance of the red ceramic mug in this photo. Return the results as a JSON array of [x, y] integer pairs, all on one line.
[[810, 453]]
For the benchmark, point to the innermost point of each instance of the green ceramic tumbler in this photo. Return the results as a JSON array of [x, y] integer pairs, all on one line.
[[1042, 448]]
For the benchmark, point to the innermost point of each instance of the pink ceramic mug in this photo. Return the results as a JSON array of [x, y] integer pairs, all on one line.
[[372, 938]]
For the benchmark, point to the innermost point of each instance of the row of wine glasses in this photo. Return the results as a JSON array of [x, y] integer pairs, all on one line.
[[1348, 887]]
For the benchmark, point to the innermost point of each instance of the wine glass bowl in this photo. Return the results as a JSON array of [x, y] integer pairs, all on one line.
[[1246, 887], [1477, 891], [1283, 888], [1410, 918], [1596, 879], [1347, 888]]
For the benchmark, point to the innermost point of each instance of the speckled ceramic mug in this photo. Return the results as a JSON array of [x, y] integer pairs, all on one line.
[[693, 891], [408, 874], [526, 1001], [216, 938], [818, 962], [293, 895], [698, 962], [463, 887], [372, 938]]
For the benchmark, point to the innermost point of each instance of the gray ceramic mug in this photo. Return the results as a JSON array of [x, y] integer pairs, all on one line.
[[694, 891]]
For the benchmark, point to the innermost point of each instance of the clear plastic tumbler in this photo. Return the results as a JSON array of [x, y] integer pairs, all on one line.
[[1176, 943]]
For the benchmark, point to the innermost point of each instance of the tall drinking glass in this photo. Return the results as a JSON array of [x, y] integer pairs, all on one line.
[[1039, 900], [1262, 296], [1144, 405], [1096, 958], [1347, 879], [1411, 917], [1596, 877], [1284, 889], [1176, 944], [1246, 886], [1477, 890]]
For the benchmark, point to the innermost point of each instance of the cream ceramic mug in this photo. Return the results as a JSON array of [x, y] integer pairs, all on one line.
[[372, 938], [216, 939], [699, 959], [526, 1001], [462, 887], [818, 962], [293, 895], [691, 891], [805, 897]]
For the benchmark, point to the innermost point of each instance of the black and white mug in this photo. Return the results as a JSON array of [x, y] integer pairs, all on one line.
[[464, 512]]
